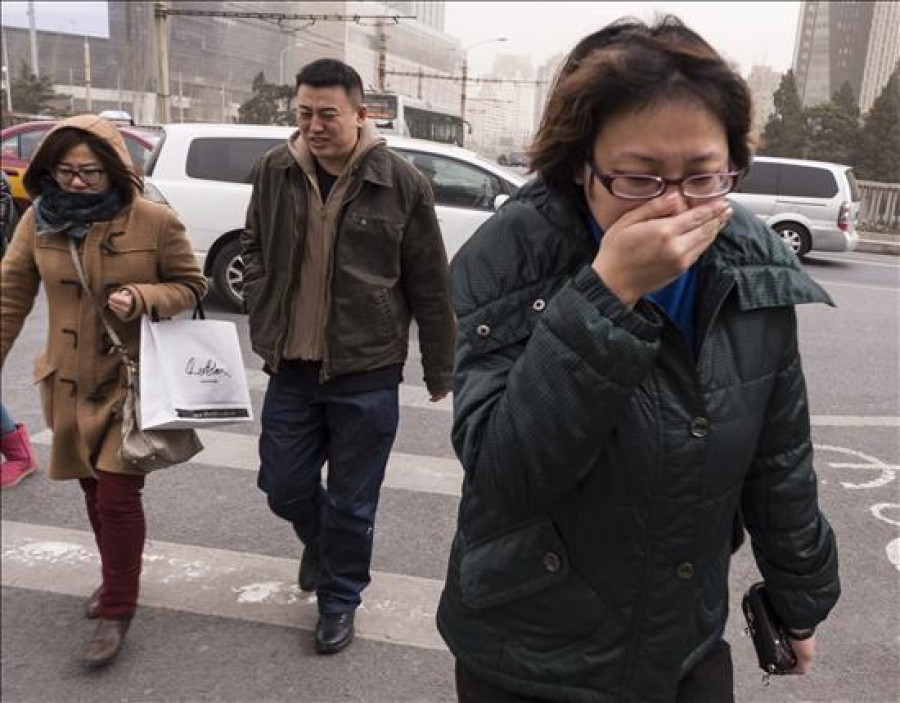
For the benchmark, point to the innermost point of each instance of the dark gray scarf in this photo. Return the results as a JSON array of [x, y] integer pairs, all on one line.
[[59, 211]]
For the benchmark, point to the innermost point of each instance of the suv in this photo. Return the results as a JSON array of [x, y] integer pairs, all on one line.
[[813, 205], [203, 172]]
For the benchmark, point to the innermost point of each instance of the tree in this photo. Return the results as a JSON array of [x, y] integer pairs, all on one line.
[[31, 94], [879, 144], [785, 133], [269, 104], [834, 128]]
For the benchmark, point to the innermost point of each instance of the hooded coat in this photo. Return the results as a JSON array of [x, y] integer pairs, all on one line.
[[144, 249], [607, 463]]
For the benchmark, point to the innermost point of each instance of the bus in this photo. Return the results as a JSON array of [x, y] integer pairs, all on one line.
[[409, 117]]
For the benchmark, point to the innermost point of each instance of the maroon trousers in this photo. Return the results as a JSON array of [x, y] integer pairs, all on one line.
[[117, 515]]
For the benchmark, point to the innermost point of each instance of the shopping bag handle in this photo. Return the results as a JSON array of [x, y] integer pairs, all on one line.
[[199, 313]]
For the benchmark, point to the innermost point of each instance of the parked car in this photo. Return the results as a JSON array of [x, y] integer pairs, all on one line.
[[20, 141], [513, 158], [813, 205], [203, 172]]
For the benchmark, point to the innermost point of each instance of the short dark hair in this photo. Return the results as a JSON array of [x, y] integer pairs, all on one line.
[[325, 73], [59, 142], [630, 66]]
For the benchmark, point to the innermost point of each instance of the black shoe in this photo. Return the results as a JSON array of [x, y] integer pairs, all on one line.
[[308, 577], [334, 632]]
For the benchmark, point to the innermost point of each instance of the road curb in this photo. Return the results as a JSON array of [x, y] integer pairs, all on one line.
[[876, 246]]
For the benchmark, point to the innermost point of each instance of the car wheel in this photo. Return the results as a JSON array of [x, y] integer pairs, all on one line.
[[228, 274], [796, 236]]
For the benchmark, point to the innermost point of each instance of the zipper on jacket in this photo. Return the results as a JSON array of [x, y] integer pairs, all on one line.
[[325, 371]]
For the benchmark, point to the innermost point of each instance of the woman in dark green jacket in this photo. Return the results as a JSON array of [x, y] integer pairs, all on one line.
[[628, 389]]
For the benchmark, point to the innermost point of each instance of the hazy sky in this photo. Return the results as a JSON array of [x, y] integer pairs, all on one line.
[[69, 17], [745, 32]]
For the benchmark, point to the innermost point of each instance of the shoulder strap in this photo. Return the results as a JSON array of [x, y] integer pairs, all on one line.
[[114, 337]]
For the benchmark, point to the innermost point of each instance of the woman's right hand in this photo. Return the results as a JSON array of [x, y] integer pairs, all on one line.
[[650, 246]]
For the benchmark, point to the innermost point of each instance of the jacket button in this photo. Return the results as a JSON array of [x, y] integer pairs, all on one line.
[[539, 305], [482, 330], [685, 570], [552, 562], [699, 427]]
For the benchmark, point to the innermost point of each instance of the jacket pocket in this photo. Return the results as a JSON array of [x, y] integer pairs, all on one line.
[[384, 315], [526, 580], [513, 566], [370, 244], [44, 379]]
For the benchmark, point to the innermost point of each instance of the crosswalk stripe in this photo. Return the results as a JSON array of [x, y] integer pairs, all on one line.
[[397, 609], [410, 396], [411, 472]]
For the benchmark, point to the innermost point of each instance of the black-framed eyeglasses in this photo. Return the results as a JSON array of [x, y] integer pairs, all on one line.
[[90, 176], [698, 186]]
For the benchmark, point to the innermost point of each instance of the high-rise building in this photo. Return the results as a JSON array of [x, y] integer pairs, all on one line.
[[509, 103], [545, 75], [856, 42], [884, 52], [763, 82]]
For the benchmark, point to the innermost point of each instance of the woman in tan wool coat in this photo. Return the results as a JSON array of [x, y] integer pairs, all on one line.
[[136, 258]]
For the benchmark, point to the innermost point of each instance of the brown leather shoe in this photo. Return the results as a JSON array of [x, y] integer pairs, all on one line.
[[106, 643], [92, 607]]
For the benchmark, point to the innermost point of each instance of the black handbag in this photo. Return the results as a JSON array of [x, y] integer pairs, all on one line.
[[770, 637]]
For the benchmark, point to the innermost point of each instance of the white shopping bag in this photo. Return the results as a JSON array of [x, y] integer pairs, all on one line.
[[192, 374]]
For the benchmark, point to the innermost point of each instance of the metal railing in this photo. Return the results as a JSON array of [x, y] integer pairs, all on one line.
[[879, 210]]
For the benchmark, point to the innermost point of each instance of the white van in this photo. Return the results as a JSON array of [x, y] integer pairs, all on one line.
[[203, 172], [813, 205]]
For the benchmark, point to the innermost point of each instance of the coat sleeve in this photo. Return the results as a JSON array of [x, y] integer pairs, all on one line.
[[181, 282], [793, 543], [19, 283], [251, 246], [425, 277], [531, 414]]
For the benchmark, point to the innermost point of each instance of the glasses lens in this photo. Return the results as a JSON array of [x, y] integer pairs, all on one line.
[[637, 186], [88, 176], [707, 185]]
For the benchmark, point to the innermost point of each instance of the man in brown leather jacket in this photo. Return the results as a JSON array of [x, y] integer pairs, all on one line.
[[341, 249]]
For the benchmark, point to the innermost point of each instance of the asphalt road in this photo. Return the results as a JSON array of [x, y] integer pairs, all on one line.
[[220, 619]]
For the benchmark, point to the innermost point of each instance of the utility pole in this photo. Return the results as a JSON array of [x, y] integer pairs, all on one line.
[[180, 97], [32, 34], [8, 72], [462, 95], [421, 76], [89, 106], [382, 57], [163, 107]]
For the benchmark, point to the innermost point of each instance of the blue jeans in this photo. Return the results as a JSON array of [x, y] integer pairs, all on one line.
[[7, 425], [302, 426]]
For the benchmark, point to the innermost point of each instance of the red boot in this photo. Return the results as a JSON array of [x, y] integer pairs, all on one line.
[[19, 457]]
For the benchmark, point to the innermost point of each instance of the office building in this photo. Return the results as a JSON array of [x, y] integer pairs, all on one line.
[[856, 42]]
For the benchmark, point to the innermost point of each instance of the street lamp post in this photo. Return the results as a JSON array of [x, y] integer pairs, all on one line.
[[465, 79], [281, 60]]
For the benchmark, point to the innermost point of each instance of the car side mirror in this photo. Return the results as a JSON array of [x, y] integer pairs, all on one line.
[[499, 200]]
